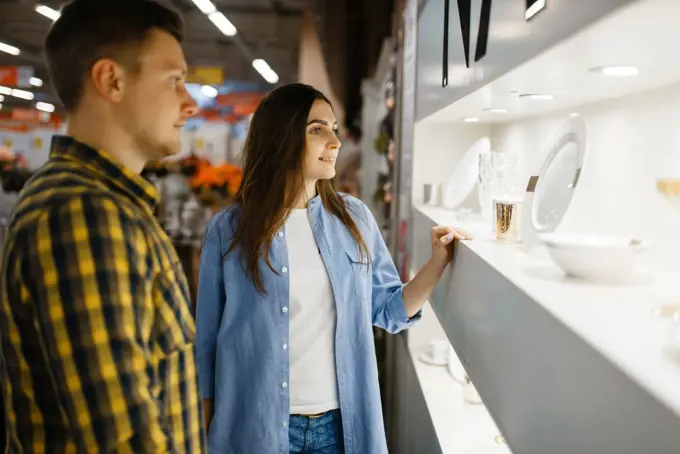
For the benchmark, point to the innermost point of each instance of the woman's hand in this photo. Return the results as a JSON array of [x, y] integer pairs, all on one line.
[[442, 240]]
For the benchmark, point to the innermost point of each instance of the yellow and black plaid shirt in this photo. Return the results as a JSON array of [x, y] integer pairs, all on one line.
[[96, 326]]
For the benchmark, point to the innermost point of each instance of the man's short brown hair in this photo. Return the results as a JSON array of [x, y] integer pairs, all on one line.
[[89, 30]]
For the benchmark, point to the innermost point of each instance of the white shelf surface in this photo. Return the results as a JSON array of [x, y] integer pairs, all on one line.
[[503, 344], [461, 428], [617, 320]]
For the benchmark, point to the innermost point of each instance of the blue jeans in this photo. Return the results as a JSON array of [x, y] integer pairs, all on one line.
[[322, 435]]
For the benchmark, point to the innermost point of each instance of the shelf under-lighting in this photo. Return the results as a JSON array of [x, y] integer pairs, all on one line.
[[617, 71]]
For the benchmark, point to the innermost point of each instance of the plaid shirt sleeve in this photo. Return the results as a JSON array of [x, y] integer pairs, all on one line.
[[93, 301]]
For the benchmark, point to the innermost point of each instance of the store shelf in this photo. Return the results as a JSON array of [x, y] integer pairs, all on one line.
[[563, 366], [461, 428]]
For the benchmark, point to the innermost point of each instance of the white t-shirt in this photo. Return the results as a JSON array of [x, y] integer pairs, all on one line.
[[313, 382]]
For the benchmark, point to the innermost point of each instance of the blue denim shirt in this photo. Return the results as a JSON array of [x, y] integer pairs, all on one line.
[[241, 334]]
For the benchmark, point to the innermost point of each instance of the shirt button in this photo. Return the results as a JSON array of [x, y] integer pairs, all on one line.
[[284, 309], [285, 424], [284, 269], [285, 346], [284, 385], [280, 233]]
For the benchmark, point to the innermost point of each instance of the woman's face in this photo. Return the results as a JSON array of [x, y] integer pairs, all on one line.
[[322, 143]]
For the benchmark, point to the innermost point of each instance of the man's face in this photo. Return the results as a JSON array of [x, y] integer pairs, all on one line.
[[156, 103]]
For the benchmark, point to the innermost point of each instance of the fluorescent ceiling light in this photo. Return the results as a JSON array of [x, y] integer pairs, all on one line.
[[5, 91], [35, 81], [44, 106], [537, 96], [496, 110], [470, 120], [2, 98], [47, 12], [23, 94], [206, 6], [209, 91], [222, 23], [534, 9], [265, 71], [617, 71], [9, 49]]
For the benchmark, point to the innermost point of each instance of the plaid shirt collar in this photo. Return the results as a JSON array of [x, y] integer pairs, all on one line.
[[105, 166]]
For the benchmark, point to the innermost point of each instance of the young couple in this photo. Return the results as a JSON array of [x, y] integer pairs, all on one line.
[[99, 349]]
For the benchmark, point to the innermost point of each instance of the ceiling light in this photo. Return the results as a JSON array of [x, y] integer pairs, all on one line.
[[470, 120], [44, 106], [35, 81], [617, 71], [5, 91], [23, 94], [537, 96], [209, 91], [47, 12], [206, 6], [9, 49], [2, 98], [222, 23], [531, 11], [265, 71], [496, 110]]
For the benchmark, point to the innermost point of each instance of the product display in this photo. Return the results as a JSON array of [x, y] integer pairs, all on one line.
[[465, 176], [508, 216], [601, 258], [550, 192], [497, 179]]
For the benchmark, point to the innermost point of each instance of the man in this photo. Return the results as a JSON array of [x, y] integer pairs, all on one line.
[[96, 329]]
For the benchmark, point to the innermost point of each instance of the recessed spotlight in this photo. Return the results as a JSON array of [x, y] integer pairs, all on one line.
[[209, 91], [573, 114], [502, 111], [23, 94], [45, 107], [617, 71], [470, 120], [47, 12], [537, 96], [35, 81], [2, 98], [9, 49]]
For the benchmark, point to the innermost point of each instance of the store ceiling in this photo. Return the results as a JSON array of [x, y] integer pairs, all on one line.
[[267, 29]]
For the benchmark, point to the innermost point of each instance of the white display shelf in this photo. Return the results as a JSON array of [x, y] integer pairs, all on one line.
[[563, 366], [461, 428]]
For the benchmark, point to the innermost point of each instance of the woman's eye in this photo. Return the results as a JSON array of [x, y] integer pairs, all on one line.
[[315, 130]]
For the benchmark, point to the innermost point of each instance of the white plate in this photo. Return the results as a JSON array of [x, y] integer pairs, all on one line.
[[465, 176], [558, 177]]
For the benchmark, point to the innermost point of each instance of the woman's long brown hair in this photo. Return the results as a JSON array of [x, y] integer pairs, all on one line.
[[273, 177]]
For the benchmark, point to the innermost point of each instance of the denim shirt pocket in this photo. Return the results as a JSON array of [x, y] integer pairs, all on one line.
[[360, 273]]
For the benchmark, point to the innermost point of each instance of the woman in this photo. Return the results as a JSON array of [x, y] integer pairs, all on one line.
[[292, 278]]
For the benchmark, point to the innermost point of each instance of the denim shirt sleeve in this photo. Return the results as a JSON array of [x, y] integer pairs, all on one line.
[[389, 309], [210, 305]]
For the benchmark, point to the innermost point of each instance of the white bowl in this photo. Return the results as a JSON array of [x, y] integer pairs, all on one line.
[[595, 257]]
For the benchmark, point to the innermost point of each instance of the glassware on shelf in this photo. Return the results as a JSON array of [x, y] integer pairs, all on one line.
[[470, 394], [670, 189], [497, 180]]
